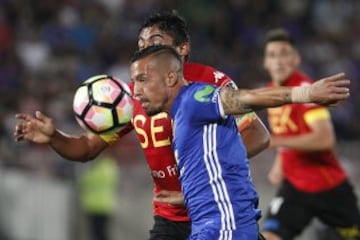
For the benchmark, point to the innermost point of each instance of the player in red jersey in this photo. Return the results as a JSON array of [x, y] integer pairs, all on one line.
[[155, 133], [313, 184]]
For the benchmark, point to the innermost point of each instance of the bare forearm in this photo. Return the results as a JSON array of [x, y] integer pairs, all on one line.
[[242, 101], [326, 91], [76, 148], [306, 142]]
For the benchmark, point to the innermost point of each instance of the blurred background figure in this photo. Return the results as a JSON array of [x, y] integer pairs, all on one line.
[[312, 183], [78, 39], [98, 189]]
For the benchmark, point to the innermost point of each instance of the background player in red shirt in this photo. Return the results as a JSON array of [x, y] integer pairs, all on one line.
[[313, 184], [155, 133]]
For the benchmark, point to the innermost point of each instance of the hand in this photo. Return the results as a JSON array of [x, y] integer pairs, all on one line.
[[169, 197], [330, 90], [38, 129]]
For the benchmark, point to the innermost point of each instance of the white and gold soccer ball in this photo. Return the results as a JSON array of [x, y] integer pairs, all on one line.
[[103, 104]]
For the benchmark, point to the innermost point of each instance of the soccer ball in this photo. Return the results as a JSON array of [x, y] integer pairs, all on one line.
[[103, 104]]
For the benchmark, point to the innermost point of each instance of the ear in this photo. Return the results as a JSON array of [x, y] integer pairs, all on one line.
[[172, 79], [183, 49]]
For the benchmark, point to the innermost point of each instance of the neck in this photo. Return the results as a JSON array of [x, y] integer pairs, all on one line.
[[173, 92]]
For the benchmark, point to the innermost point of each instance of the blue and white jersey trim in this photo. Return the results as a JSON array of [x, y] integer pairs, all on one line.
[[216, 180]]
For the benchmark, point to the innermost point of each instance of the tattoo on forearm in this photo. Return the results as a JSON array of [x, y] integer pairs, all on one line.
[[243, 101], [232, 103]]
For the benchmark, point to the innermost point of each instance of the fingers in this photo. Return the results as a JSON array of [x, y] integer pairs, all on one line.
[[340, 91], [162, 194], [338, 86], [338, 80], [20, 131], [27, 117], [336, 77], [23, 127], [23, 116], [18, 135], [342, 82], [39, 115], [339, 96], [169, 197], [159, 197]]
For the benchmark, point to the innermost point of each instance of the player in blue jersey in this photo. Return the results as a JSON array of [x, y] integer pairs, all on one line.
[[211, 158]]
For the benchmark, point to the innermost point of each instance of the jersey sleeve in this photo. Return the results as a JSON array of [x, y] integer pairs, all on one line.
[[203, 105], [316, 114], [242, 120], [195, 72]]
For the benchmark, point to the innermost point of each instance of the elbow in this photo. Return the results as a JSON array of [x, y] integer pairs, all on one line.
[[90, 157], [327, 144], [256, 138], [326, 141], [79, 159], [260, 146], [266, 142], [86, 159]]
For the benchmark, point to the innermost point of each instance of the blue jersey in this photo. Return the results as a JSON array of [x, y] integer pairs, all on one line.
[[211, 159]]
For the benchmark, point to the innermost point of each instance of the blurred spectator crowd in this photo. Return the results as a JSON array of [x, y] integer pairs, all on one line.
[[48, 47]]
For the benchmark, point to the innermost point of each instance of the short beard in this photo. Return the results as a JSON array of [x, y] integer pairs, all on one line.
[[152, 112], [155, 110]]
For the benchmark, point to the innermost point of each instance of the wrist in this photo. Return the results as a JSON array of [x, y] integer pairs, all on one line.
[[300, 94], [53, 136]]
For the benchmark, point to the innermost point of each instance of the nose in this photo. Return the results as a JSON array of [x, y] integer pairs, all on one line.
[[137, 90]]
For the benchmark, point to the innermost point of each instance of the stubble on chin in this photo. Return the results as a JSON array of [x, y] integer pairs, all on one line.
[[152, 112]]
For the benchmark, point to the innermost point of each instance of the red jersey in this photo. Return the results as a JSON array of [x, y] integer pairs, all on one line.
[[155, 136], [306, 171]]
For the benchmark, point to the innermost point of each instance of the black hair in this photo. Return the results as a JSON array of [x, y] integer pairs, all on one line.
[[171, 23], [155, 50], [279, 34]]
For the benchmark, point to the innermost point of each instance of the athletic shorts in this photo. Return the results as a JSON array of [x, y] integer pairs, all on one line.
[[164, 229], [292, 210], [212, 232]]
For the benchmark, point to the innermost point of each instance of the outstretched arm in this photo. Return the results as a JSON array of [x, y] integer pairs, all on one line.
[[326, 91], [41, 129], [321, 138]]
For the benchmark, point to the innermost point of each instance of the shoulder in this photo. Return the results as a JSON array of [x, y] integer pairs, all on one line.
[[197, 102], [202, 73], [200, 88], [198, 93]]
